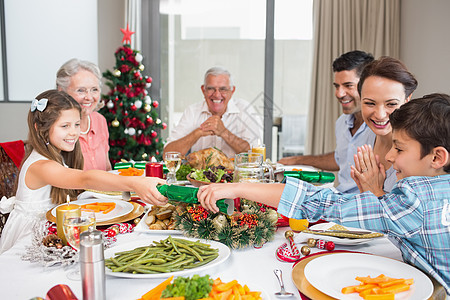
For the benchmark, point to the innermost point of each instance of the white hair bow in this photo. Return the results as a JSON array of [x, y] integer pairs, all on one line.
[[40, 105]]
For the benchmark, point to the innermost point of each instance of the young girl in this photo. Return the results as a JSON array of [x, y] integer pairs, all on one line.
[[52, 167]]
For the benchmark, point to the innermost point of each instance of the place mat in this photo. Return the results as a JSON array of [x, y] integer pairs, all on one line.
[[308, 292], [344, 235], [138, 210]]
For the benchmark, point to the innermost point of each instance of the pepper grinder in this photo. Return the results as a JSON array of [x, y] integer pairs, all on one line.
[[92, 265]]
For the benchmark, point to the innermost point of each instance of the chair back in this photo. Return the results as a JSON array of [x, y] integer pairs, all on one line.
[[8, 175]]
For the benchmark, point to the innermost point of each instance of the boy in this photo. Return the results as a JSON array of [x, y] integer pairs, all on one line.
[[416, 214]]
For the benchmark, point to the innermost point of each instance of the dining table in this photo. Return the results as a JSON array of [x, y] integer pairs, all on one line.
[[253, 266]]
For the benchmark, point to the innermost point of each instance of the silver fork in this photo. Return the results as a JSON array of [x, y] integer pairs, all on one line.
[[282, 293]]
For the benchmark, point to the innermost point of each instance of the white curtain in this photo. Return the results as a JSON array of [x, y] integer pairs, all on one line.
[[133, 19], [341, 26]]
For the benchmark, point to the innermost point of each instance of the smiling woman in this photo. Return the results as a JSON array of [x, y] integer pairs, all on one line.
[[81, 80], [384, 86]]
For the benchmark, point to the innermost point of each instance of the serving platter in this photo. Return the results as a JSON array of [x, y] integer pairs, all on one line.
[[330, 273], [224, 253], [143, 227]]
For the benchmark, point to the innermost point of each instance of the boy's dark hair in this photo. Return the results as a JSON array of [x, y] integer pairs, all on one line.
[[427, 120], [353, 60], [389, 68]]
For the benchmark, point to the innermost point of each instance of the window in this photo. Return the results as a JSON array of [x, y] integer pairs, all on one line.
[[198, 34]]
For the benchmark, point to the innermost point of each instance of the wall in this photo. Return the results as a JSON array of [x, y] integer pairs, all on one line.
[[39, 40], [424, 48], [425, 43]]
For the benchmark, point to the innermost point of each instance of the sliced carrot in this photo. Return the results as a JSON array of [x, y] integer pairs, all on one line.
[[380, 297], [349, 289], [156, 292], [364, 287], [378, 279], [109, 209], [394, 289]]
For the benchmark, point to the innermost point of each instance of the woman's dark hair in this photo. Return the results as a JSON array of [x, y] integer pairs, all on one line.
[[426, 120], [389, 68], [353, 60]]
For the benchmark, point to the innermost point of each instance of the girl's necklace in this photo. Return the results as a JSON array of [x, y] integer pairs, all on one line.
[[89, 126]]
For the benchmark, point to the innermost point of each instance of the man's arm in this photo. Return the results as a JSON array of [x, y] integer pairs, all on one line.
[[323, 162], [239, 145], [183, 144]]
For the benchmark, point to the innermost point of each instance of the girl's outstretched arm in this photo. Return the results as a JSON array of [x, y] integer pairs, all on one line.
[[268, 194], [46, 172]]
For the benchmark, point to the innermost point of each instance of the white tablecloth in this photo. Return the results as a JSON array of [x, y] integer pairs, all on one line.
[[24, 280]]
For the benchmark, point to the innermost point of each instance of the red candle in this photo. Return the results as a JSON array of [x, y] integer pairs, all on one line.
[[154, 170]]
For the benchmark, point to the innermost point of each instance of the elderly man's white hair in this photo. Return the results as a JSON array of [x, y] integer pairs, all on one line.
[[216, 71]]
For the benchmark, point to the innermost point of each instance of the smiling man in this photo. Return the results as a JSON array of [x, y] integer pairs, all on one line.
[[350, 129], [222, 121]]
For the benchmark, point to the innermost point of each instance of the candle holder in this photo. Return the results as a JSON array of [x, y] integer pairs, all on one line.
[[69, 209]]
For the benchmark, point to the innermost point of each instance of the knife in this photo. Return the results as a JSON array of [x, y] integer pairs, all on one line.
[[357, 232]]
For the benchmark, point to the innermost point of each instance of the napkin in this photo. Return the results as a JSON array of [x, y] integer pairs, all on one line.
[[344, 235]]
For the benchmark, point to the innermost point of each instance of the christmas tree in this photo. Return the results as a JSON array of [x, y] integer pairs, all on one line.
[[133, 122]]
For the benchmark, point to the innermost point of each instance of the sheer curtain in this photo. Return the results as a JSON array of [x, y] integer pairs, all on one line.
[[133, 19], [341, 26]]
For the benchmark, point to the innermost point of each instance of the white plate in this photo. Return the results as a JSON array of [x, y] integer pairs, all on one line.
[[336, 240], [330, 273], [122, 208], [224, 253], [142, 227]]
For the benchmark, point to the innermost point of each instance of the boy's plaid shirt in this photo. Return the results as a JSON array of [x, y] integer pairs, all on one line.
[[416, 214]]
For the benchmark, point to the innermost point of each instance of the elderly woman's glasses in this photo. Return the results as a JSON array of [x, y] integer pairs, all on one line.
[[222, 90], [83, 92]]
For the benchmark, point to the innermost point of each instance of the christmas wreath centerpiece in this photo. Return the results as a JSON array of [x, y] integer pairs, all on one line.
[[251, 224]]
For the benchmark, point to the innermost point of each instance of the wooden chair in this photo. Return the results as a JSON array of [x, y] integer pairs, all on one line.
[[8, 175]]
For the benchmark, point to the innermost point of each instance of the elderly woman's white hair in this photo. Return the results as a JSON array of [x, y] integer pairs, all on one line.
[[216, 71], [72, 67]]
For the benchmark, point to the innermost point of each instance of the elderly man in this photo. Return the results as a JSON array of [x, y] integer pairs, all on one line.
[[222, 121], [351, 131]]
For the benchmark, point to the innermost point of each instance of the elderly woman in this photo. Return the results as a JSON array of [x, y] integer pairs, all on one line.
[[81, 80]]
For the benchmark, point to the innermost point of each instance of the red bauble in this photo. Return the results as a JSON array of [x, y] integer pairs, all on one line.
[[149, 79], [164, 125], [121, 104], [329, 246], [133, 107], [157, 152], [150, 120], [154, 134], [156, 140], [155, 104]]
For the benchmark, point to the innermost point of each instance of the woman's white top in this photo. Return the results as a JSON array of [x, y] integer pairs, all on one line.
[[30, 206]]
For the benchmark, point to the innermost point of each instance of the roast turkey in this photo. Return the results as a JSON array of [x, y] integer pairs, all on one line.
[[209, 157]]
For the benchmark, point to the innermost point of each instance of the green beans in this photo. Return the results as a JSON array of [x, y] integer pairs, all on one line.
[[168, 255]]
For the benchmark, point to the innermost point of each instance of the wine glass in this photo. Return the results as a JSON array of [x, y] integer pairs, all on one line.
[[173, 163], [73, 226]]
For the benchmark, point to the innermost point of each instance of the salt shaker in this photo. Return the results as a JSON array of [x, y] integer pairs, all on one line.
[[92, 264]]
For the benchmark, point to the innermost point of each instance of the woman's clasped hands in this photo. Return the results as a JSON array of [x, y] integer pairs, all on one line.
[[368, 173]]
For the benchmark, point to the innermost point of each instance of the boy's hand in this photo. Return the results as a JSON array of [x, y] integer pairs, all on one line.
[[368, 173]]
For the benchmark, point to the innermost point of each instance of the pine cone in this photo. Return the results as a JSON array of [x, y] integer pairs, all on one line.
[[52, 240]]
